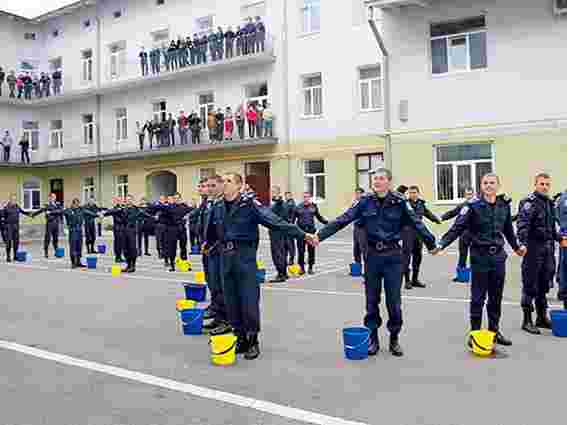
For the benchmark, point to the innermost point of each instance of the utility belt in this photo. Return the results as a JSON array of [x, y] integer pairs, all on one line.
[[131, 226], [382, 246], [232, 246], [490, 249]]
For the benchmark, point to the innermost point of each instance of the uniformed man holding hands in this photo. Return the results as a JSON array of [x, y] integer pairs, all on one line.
[[562, 216], [75, 218], [290, 242], [383, 213], [278, 239], [90, 226], [536, 230], [12, 212], [305, 214], [53, 215], [488, 221]]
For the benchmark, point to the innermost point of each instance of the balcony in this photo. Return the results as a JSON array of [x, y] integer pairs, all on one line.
[[131, 78], [384, 4]]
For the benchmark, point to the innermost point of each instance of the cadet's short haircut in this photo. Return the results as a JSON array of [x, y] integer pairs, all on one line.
[[491, 175], [414, 187], [359, 190], [384, 172], [402, 189], [288, 193], [542, 176], [203, 180]]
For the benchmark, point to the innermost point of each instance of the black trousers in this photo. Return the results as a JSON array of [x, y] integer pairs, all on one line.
[[412, 248], [160, 241], [278, 248], [90, 234], [25, 156], [214, 277], [170, 242], [51, 235], [360, 244], [464, 245], [194, 235], [487, 282], [301, 253], [6, 153], [290, 249], [143, 234], [118, 232], [12, 239], [76, 243], [538, 269], [182, 238], [130, 243], [241, 290]]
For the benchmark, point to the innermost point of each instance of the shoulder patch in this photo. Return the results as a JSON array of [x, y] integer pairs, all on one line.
[[464, 210]]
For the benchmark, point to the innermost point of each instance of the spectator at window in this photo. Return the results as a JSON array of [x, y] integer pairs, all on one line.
[[36, 86], [251, 117], [6, 143], [45, 84], [164, 133], [259, 120], [25, 148], [196, 50], [250, 30], [2, 78], [268, 117], [156, 129], [57, 78], [260, 35], [220, 44], [228, 124], [212, 126], [170, 130], [20, 86], [141, 132], [11, 80], [220, 124], [28, 86], [144, 61], [239, 118], [239, 41], [183, 126], [195, 124], [212, 40], [229, 36], [203, 48], [172, 55]]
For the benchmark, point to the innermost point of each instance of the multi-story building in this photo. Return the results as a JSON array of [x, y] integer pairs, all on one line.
[[471, 87]]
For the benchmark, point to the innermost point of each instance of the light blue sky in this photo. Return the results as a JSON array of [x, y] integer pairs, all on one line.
[[32, 8]]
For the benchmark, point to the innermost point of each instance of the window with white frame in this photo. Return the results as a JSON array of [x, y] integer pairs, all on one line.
[[55, 64], [458, 46], [88, 129], [370, 83], [121, 125], [257, 94], [31, 194], [365, 164], [314, 178], [253, 9], [160, 37], [121, 186], [29, 36], [206, 105], [311, 16], [312, 96], [160, 110], [56, 134], [205, 24], [31, 134], [459, 167], [205, 173], [89, 189], [87, 68], [117, 59]]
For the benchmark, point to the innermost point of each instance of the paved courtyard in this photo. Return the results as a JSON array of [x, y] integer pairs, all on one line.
[[85, 348]]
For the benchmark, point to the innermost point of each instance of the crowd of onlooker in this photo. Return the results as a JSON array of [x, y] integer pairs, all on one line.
[[25, 85], [214, 46], [221, 125], [7, 141]]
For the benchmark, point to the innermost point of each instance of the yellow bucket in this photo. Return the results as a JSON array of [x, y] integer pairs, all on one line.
[[185, 304], [199, 277], [184, 266], [482, 342], [293, 270], [260, 265], [223, 349], [116, 270]]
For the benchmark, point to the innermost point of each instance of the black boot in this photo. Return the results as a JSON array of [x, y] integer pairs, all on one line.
[[395, 347], [253, 347], [565, 304], [127, 268], [73, 262], [132, 266], [46, 254], [172, 265], [373, 343], [542, 321], [415, 283], [221, 328], [501, 339], [528, 324], [278, 279], [301, 270], [241, 343], [310, 271], [407, 280]]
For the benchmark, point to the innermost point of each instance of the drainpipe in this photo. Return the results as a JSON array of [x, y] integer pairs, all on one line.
[[98, 107], [285, 71], [387, 83]]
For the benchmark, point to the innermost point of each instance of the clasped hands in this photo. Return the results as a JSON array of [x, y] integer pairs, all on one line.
[[312, 239]]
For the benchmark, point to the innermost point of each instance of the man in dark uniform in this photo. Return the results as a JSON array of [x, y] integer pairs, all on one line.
[[146, 227], [144, 62], [562, 217], [290, 242], [412, 247], [193, 218], [305, 214], [53, 213], [117, 227], [488, 221], [90, 226], [383, 214], [237, 217], [359, 234], [75, 218], [181, 223], [132, 215], [212, 252], [3, 226], [464, 241], [278, 239], [12, 213], [536, 230], [160, 228]]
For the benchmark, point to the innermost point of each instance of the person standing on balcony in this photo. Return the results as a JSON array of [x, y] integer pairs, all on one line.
[[228, 124], [25, 150], [195, 125], [250, 30], [260, 35], [144, 62], [149, 128], [259, 120], [219, 117], [183, 126], [195, 50], [141, 132], [164, 133], [46, 84], [2, 78], [36, 86], [229, 39], [251, 117], [220, 43], [166, 57], [156, 128], [172, 55], [203, 48], [170, 130], [28, 86], [11, 80], [57, 77], [239, 118], [6, 143], [212, 126], [239, 36], [268, 118], [212, 42]]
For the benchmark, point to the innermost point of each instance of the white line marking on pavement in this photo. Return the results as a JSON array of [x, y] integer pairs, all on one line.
[[197, 391]]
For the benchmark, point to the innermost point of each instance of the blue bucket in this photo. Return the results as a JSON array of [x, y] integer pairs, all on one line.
[[356, 269], [261, 276], [356, 343], [60, 253], [91, 262], [21, 256], [559, 323], [195, 292], [463, 274], [192, 321], [195, 250], [101, 249]]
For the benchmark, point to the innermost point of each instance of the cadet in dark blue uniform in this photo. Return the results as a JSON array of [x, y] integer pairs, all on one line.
[[305, 214], [146, 227], [290, 242], [11, 214], [359, 234], [464, 241], [536, 230], [212, 250], [562, 216], [488, 221], [90, 226], [160, 229], [53, 213], [412, 247], [132, 215], [75, 218], [117, 228], [383, 213], [237, 217], [3, 226], [278, 239], [181, 223]]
